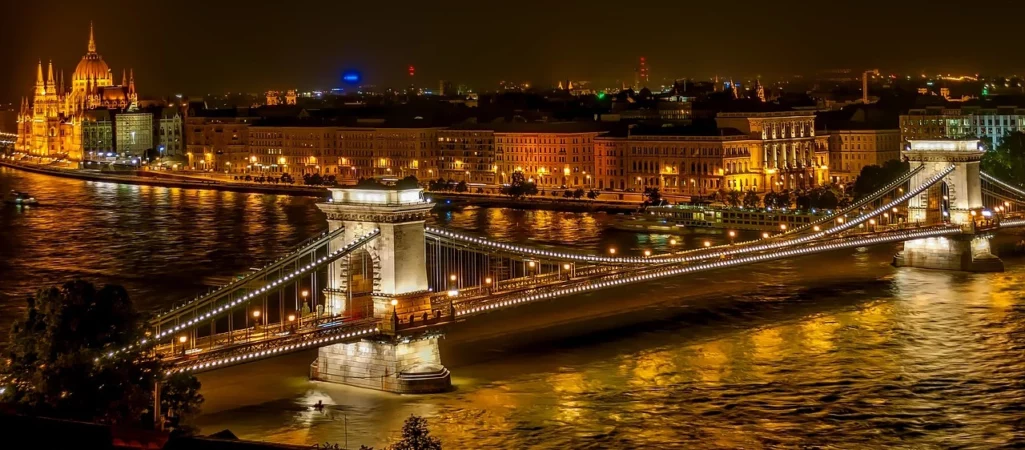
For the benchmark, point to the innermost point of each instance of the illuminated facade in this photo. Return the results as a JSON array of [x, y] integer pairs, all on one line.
[[964, 122], [133, 133], [553, 155], [852, 150], [51, 124], [787, 151], [467, 154], [678, 160]]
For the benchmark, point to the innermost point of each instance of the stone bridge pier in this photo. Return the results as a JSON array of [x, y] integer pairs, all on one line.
[[957, 200], [393, 268]]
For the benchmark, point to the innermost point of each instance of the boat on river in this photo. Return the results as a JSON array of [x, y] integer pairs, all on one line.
[[679, 219], [20, 199]]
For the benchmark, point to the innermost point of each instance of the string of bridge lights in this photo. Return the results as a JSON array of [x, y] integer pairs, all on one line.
[[213, 313], [274, 283], [1012, 223], [815, 224], [326, 235], [858, 204], [285, 348], [993, 179], [463, 310], [843, 226]]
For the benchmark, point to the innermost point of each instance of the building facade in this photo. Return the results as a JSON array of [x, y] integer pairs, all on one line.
[[133, 134], [97, 134], [554, 155], [965, 122], [788, 153], [852, 150], [51, 125], [467, 153], [217, 141], [691, 160]]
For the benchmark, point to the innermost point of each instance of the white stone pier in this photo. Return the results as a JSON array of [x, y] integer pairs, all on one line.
[[395, 264], [957, 200]]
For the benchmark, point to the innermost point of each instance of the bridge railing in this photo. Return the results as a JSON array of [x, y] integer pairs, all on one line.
[[212, 309], [303, 250], [272, 347]]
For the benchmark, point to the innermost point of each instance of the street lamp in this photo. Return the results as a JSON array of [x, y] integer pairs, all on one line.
[[765, 235], [708, 244], [672, 242], [783, 227], [612, 250], [305, 293], [647, 253]]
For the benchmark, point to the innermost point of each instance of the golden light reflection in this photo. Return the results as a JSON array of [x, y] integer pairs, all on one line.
[[818, 334]]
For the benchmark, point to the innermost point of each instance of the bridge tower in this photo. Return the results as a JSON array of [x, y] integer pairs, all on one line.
[[387, 279], [956, 200]]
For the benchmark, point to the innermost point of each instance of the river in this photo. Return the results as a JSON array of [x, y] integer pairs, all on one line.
[[834, 351]]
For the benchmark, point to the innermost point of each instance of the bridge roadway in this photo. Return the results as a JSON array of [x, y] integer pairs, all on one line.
[[477, 301]]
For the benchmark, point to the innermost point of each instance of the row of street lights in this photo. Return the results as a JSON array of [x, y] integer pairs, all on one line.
[[256, 314]]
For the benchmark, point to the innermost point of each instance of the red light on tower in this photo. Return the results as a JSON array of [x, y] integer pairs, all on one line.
[[412, 71], [643, 69]]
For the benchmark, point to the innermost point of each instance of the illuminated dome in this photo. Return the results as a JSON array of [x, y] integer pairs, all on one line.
[[92, 65]]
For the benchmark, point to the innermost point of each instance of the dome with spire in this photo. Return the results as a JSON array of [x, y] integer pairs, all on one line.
[[92, 66]]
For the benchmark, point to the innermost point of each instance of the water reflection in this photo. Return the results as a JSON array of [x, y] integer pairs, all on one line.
[[837, 351]]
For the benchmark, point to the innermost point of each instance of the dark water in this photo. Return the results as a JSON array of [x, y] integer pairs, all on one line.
[[836, 351]]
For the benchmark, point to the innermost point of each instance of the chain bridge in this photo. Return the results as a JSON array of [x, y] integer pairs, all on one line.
[[376, 291]]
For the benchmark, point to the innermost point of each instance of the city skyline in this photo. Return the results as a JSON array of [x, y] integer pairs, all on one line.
[[195, 49]]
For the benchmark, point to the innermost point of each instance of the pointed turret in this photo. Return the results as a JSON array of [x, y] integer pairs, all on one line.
[[40, 83], [50, 84], [131, 81], [124, 78], [92, 42]]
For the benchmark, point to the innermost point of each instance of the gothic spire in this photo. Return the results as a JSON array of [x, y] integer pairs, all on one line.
[[124, 78], [49, 75], [131, 80], [92, 42], [39, 73]]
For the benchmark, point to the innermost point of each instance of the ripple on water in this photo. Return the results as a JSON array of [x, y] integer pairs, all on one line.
[[813, 352]]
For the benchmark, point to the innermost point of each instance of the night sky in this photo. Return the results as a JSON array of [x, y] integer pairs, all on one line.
[[195, 47]]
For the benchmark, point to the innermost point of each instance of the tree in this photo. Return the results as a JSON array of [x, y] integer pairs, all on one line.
[[751, 199], [784, 199], [461, 187], [733, 198], [416, 436], [1007, 161], [180, 399], [409, 182], [567, 193], [873, 178], [826, 200], [803, 200], [593, 194], [769, 199], [74, 355], [579, 193]]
